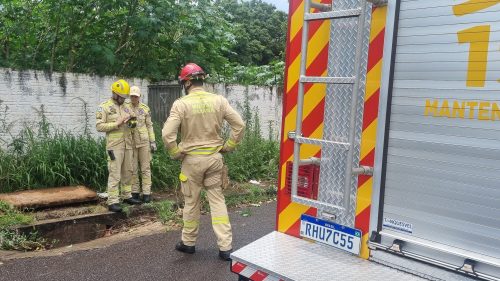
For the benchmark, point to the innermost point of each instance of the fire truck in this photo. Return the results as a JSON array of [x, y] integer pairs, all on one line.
[[390, 144]]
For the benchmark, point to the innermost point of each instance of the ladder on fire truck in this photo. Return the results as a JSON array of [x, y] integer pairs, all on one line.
[[278, 256], [347, 59]]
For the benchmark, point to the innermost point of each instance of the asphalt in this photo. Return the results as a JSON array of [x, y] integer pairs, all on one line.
[[149, 257]]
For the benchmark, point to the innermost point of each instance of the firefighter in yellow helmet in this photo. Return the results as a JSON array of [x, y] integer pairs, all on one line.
[[144, 143], [200, 116], [112, 117]]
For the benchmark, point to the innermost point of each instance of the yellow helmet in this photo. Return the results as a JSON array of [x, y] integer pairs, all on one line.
[[135, 91], [121, 88]]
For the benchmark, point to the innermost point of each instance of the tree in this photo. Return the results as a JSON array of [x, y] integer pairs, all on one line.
[[138, 38]]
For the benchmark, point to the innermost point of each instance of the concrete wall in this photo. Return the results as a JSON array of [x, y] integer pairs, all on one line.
[[266, 101], [70, 100]]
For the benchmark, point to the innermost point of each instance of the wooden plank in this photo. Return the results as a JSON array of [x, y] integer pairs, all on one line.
[[49, 197]]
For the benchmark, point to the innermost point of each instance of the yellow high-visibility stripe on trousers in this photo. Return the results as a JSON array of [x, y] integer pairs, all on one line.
[[220, 220], [191, 224]]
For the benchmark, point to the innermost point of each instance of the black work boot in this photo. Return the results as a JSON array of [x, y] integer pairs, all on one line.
[[225, 255], [132, 201], [115, 208], [146, 198], [136, 196], [185, 249]]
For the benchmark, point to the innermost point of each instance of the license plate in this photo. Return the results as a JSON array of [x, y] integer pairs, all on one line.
[[338, 236]]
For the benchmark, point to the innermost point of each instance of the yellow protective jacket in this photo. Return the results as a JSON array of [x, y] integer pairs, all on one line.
[[143, 133], [200, 116], [117, 137]]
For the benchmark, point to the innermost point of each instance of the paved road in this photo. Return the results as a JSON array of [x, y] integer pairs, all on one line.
[[147, 258]]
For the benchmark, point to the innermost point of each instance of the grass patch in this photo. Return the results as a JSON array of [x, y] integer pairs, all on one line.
[[251, 194], [166, 210], [10, 216], [9, 239], [245, 194]]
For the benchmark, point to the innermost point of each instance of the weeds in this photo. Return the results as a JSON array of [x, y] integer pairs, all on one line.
[[43, 157], [245, 194], [250, 194], [166, 210], [9, 216], [256, 157], [9, 239]]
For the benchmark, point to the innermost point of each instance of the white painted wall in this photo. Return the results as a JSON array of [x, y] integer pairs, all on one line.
[[267, 101], [64, 95]]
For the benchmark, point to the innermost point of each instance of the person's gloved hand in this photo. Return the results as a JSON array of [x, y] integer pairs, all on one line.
[[154, 148]]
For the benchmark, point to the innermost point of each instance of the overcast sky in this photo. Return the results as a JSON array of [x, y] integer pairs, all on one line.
[[281, 5]]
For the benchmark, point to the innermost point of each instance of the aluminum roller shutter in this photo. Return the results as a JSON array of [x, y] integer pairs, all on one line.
[[442, 177]]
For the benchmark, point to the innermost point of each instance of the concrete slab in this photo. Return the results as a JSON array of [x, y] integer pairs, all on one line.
[[49, 197]]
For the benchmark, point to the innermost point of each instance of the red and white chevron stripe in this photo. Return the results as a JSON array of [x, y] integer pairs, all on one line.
[[251, 273]]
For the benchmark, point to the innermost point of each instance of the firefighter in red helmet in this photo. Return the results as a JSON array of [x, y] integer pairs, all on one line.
[[200, 115]]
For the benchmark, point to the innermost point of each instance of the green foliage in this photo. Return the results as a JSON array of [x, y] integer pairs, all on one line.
[[243, 195], [255, 157], [146, 39], [260, 31], [10, 216], [9, 239], [166, 210], [272, 74], [40, 158], [164, 171], [49, 160], [250, 194]]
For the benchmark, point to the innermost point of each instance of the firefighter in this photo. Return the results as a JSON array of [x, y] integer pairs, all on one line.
[[144, 144], [112, 117], [200, 116]]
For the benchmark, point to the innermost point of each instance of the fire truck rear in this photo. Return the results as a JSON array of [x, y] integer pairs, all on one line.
[[390, 145]]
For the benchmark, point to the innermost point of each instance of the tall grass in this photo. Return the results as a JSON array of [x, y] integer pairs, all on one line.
[[42, 157], [56, 159]]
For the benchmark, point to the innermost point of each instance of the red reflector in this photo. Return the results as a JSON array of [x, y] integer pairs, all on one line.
[[308, 180]]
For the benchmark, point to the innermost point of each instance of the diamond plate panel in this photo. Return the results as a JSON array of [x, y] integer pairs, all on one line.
[[341, 62], [332, 14], [290, 258], [327, 80]]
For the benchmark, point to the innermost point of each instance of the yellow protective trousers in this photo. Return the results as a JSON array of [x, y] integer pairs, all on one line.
[[142, 160], [120, 175], [198, 172]]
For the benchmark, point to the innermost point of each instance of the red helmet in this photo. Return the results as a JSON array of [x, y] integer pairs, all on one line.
[[190, 70]]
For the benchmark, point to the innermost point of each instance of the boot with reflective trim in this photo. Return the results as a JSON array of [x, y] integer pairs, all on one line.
[[185, 249], [132, 201], [115, 208], [225, 255]]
